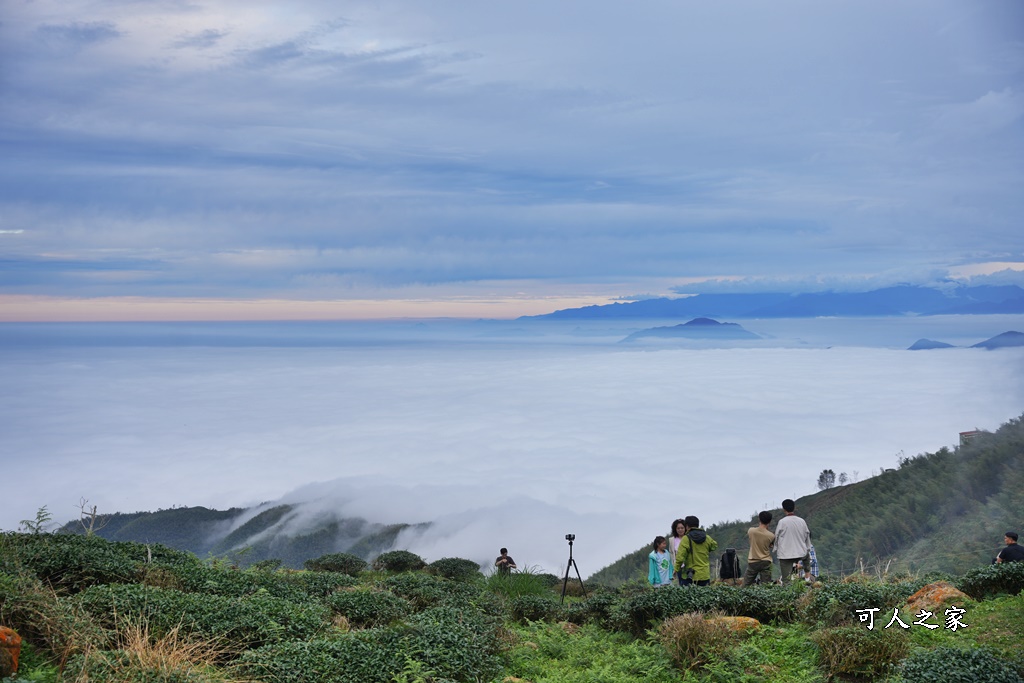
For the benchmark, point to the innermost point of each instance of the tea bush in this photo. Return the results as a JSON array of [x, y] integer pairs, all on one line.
[[993, 580], [856, 651], [594, 610], [637, 612], [341, 563], [352, 658], [319, 585], [426, 590], [533, 608], [399, 561], [956, 665], [364, 607], [248, 622], [766, 603], [837, 603], [455, 568], [456, 645], [70, 563]]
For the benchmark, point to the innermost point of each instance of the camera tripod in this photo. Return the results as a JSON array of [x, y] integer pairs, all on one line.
[[571, 565]]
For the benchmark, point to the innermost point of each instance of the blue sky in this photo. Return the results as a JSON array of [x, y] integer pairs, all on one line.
[[176, 158]]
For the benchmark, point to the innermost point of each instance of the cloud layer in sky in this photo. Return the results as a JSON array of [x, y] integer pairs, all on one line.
[[501, 444], [314, 150]]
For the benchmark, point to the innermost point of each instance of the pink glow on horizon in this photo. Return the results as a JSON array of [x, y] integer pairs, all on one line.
[[23, 308]]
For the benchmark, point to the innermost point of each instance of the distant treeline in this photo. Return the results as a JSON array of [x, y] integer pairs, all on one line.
[[944, 511]]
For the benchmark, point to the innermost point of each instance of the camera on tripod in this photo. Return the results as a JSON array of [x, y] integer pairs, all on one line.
[[571, 565]]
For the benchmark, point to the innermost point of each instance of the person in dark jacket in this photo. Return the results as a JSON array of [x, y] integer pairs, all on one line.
[[1013, 552]]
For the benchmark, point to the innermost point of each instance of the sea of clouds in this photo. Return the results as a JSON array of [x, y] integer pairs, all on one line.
[[498, 436]]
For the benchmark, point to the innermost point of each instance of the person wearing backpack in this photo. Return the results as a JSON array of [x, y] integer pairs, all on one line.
[[694, 552], [729, 567]]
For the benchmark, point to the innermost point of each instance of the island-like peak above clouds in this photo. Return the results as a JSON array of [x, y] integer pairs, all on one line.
[[1000, 341], [698, 328], [890, 301]]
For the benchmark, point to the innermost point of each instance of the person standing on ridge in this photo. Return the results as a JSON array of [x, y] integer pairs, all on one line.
[[678, 531], [659, 569], [694, 551], [792, 541], [759, 559], [504, 563]]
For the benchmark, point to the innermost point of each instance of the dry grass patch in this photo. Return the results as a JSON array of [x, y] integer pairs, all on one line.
[[693, 641]]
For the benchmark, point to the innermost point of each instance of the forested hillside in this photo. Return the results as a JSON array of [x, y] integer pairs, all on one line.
[[266, 535], [943, 511]]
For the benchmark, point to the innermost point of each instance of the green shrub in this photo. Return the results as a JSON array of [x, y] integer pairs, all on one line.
[[993, 579], [455, 568], [248, 622], [856, 651], [368, 607], [341, 563], [318, 585], [693, 641], [456, 645], [399, 561], [269, 565], [596, 609], [640, 608], [357, 657], [549, 580], [426, 590], [956, 665], [766, 603], [533, 608], [70, 563], [835, 604], [639, 612]]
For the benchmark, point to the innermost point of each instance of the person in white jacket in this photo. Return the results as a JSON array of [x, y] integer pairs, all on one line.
[[792, 541]]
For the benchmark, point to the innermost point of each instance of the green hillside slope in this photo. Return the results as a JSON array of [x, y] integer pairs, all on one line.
[[943, 511]]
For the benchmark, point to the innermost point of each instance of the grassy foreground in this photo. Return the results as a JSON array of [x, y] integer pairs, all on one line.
[[97, 611]]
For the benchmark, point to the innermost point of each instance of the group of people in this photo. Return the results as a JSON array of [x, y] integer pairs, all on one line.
[[685, 554]]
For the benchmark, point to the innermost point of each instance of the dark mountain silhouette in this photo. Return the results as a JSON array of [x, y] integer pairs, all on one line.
[[926, 344], [889, 301], [698, 328], [1002, 341]]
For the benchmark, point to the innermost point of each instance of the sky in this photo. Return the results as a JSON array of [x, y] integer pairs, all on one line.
[[201, 159], [497, 441]]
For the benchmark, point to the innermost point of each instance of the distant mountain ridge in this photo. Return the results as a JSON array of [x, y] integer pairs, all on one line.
[[249, 535], [888, 301]]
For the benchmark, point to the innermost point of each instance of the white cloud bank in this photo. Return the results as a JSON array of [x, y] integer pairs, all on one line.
[[498, 444]]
